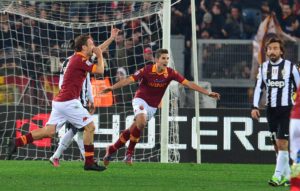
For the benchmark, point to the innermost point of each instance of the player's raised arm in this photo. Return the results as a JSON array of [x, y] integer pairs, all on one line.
[[119, 84], [197, 88], [113, 33], [99, 67]]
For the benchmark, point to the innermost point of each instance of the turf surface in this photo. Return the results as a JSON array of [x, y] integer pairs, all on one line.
[[40, 175]]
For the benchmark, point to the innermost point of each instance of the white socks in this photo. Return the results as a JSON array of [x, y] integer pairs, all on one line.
[[79, 140], [64, 143], [282, 165]]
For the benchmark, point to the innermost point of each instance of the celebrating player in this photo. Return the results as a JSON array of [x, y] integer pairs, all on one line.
[[67, 107], [279, 77], [86, 99], [154, 80]]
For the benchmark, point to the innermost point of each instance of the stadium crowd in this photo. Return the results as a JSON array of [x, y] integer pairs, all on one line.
[[27, 45]]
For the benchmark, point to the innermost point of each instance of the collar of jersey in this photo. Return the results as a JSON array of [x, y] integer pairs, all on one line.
[[277, 62], [82, 55], [154, 69]]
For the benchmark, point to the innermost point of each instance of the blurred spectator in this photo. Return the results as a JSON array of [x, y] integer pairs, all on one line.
[[177, 17], [265, 10], [206, 21], [138, 46], [296, 7], [289, 23], [30, 34], [55, 11], [246, 71], [6, 40], [129, 58], [275, 8], [106, 60], [205, 34], [120, 51], [9, 63], [124, 95], [78, 9], [188, 45], [148, 56], [235, 28], [227, 6], [218, 20]]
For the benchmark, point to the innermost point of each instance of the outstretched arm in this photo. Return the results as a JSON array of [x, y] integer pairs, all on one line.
[[119, 84], [197, 88], [113, 33]]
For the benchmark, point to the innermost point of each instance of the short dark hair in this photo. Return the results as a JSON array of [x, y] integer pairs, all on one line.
[[275, 39], [80, 41], [159, 52]]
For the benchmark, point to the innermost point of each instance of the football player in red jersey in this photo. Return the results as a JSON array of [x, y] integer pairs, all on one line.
[[295, 143], [86, 99], [66, 105], [153, 81]]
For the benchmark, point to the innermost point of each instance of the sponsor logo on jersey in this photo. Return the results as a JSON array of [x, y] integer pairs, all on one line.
[[275, 83], [84, 119], [159, 80], [89, 63], [137, 73], [157, 85]]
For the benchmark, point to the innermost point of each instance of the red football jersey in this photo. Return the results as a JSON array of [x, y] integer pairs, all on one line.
[[295, 114], [153, 85], [74, 76]]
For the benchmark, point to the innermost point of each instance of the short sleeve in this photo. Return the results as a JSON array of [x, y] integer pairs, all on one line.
[[177, 77], [87, 65], [138, 74]]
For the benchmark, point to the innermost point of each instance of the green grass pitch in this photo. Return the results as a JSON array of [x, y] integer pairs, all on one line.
[[40, 175]]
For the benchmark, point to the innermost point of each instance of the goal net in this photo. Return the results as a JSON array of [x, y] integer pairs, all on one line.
[[35, 41]]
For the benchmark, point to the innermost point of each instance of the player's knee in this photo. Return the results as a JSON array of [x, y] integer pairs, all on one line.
[[90, 127], [141, 121], [50, 131], [141, 124], [282, 144]]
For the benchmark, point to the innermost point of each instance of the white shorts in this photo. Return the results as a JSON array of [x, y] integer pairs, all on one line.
[[71, 111], [140, 106], [294, 138]]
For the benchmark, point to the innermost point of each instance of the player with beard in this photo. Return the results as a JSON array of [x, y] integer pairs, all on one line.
[[66, 105], [279, 77]]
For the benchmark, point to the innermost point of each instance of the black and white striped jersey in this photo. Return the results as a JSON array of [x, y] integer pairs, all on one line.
[[280, 80], [86, 92]]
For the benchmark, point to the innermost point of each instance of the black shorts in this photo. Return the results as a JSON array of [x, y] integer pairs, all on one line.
[[279, 121]]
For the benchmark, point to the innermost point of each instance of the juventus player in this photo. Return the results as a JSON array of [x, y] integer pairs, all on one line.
[[154, 80], [279, 77]]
